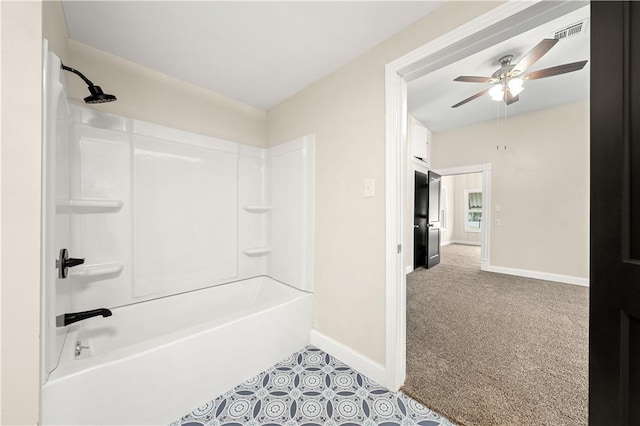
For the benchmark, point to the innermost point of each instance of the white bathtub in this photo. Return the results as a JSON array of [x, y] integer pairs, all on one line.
[[152, 362]]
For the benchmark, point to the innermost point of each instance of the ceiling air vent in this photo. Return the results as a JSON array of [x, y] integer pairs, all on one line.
[[571, 30]]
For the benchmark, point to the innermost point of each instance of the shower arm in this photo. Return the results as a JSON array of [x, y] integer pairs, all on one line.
[[97, 95], [86, 80]]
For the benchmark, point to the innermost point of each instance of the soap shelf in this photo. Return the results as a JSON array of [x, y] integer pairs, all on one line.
[[88, 205], [257, 251], [97, 270], [257, 208]]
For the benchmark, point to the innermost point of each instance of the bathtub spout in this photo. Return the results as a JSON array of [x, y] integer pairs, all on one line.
[[70, 318]]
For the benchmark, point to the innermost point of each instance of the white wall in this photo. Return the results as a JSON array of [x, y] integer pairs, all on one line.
[[346, 111], [540, 182], [21, 82]]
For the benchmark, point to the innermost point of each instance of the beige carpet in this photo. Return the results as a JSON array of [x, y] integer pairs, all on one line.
[[490, 349]]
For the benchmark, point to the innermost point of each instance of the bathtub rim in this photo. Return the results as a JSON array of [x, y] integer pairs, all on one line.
[[69, 367]]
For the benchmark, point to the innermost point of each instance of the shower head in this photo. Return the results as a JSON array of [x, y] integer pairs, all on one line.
[[97, 95]]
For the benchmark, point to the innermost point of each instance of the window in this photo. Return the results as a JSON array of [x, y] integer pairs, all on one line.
[[472, 210]]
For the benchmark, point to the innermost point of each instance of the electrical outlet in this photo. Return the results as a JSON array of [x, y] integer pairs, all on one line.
[[497, 222], [497, 208]]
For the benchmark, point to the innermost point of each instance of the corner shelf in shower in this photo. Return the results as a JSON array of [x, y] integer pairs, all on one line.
[[88, 205], [257, 208], [97, 270], [257, 251]]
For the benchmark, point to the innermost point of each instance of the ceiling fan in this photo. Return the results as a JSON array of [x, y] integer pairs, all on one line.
[[508, 80]]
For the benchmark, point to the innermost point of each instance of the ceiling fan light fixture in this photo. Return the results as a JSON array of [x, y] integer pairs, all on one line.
[[516, 86], [509, 83], [496, 92]]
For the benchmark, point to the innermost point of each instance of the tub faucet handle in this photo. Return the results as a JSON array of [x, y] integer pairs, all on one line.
[[71, 317], [65, 262]]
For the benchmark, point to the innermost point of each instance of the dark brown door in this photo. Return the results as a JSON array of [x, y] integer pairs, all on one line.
[[614, 331], [433, 220], [421, 200]]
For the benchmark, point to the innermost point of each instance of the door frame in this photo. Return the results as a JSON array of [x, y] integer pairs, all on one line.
[[500, 23], [485, 225]]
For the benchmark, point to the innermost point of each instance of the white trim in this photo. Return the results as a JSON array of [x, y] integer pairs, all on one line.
[[463, 242], [462, 170], [409, 269], [353, 359], [445, 214], [485, 237], [419, 165], [395, 190], [504, 24], [446, 243], [546, 276]]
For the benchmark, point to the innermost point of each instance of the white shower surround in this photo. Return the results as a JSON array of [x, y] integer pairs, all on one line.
[[171, 211], [201, 247]]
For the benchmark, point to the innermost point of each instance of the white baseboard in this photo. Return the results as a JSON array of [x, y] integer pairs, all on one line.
[[547, 276], [445, 243], [409, 269], [353, 359], [468, 243]]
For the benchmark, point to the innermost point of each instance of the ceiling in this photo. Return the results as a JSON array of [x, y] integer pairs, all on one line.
[[259, 53], [430, 97]]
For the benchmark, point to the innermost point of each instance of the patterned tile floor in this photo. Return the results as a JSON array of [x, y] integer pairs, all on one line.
[[311, 388]]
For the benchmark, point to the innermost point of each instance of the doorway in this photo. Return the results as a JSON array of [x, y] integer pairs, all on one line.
[[461, 211], [459, 230], [497, 25]]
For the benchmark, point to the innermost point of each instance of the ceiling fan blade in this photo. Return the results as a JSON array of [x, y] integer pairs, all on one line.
[[535, 54], [469, 99], [472, 79], [557, 70], [509, 98]]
